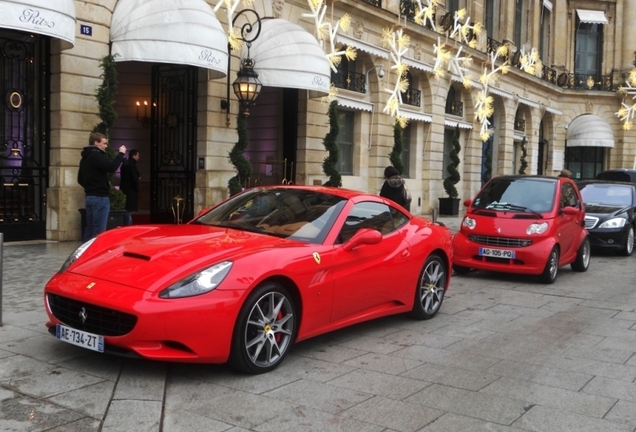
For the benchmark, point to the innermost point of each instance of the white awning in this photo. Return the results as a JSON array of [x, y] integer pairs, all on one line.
[[528, 102], [416, 116], [588, 130], [417, 64], [500, 92], [554, 111], [547, 4], [288, 56], [54, 18], [363, 46], [457, 123], [591, 16], [169, 31], [355, 104]]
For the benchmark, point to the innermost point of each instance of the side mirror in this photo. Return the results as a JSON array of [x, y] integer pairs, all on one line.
[[570, 211], [468, 202], [362, 237]]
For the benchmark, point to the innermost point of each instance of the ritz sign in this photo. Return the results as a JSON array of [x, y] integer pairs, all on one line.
[[33, 16]]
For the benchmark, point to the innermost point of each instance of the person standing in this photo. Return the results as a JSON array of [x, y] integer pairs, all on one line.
[[394, 188], [93, 177], [130, 183]]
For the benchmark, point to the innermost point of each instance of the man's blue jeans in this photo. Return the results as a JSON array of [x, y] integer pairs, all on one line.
[[97, 209]]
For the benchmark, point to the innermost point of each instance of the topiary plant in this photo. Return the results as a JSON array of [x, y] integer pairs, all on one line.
[[453, 174], [396, 153], [523, 163], [330, 142], [243, 166]]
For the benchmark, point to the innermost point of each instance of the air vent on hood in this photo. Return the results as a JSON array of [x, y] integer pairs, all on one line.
[[136, 256]]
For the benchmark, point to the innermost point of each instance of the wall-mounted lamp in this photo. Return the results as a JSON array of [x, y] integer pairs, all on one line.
[[144, 120], [380, 70], [246, 87]]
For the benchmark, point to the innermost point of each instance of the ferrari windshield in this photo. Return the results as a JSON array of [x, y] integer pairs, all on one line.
[[297, 214], [522, 194]]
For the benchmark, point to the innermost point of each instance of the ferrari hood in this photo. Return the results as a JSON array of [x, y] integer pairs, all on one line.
[[149, 257]]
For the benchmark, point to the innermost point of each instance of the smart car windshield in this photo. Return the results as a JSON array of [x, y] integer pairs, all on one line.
[[522, 194], [607, 194], [288, 213]]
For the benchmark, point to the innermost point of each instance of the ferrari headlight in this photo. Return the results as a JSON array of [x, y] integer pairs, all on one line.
[[537, 228], [469, 223], [75, 255], [199, 283], [613, 223]]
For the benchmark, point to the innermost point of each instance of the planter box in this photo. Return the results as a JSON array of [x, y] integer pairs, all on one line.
[[449, 206]]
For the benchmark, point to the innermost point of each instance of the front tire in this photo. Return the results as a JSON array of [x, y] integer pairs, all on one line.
[[629, 243], [430, 288], [264, 330], [551, 267], [582, 261]]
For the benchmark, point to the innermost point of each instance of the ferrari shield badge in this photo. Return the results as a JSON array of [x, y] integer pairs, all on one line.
[[317, 257], [90, 285]]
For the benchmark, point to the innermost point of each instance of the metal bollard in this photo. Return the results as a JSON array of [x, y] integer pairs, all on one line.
[[434, 215], [1, 272]]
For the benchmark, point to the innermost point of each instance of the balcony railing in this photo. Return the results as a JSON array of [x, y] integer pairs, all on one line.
[[412, 97], [349, 81], [549, 75], [520, 125], [493, 46], [455, 108], [408, 9], [585, 82], [376, 3]]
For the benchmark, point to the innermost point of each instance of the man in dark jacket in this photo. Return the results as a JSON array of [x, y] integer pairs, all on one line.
[[93, 177], [394, 188], [129, 184]]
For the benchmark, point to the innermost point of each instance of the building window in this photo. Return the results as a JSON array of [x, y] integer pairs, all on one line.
[[584, 162], [452, 6], [454, 106], [346, 76], [520, 23], [546, 35], [588, 58], [345, 142], [411, 96], [406, 150]]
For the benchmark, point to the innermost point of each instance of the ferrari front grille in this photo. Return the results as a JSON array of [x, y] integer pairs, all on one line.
[[500, 241], [590, 222], [90, 318]]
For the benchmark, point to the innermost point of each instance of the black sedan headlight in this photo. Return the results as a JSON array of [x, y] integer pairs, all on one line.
[[614, 223], [198, 283], [75, 255]]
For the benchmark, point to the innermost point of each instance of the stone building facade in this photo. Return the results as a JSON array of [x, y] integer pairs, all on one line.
[[173, 98]]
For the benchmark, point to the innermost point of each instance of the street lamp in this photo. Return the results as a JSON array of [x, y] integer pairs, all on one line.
[[246, 87]]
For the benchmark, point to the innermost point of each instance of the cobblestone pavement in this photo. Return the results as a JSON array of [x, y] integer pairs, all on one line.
[[505, 353]]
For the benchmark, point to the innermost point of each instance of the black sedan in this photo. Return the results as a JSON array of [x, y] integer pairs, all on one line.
[[609, 214]]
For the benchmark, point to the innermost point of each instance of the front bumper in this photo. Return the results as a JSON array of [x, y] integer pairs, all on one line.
[[194, 329], [609, 238], [528, 260]]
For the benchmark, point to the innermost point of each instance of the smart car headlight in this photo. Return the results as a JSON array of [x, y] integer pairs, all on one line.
[[75, 255], [613, 223], [537, 228], [469, 223], [198, 283]]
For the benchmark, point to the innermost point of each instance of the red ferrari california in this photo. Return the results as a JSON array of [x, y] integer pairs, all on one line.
[[244, 280]]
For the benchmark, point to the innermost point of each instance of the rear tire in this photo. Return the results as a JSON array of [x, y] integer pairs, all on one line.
[[582, 262], [429, 293], [629, 243], [551, 269], [265, 329]]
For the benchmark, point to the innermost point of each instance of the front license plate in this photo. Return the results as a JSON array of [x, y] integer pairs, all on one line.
[[80, 338], [497, 253]]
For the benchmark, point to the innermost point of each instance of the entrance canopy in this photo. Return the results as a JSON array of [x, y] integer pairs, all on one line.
[[46, 17], [182, 32], [588, 130], [288, 56]]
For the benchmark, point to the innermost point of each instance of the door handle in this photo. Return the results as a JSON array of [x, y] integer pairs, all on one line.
[[406, 253]]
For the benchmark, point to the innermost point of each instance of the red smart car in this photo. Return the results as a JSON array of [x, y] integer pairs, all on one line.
[[245, 280], [526, 225]]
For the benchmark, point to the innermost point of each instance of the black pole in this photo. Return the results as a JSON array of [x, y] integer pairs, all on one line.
[[1, 273]]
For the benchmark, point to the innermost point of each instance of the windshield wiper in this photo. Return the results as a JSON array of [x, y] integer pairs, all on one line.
[[506, 206]]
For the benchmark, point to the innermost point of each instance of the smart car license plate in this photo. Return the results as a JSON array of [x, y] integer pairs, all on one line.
[[497, 253], [79, 338]]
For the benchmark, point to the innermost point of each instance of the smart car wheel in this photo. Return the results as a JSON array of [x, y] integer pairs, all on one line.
[[582, 261], [551, 267], [629, 243], [265, 329], [430, 288]]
